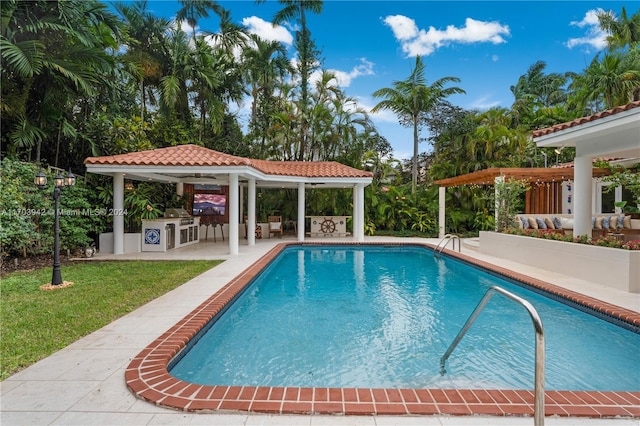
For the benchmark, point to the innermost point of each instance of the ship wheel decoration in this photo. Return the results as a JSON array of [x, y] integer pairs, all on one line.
[[328, 226]]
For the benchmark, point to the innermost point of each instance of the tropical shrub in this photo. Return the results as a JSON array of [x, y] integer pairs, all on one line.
[[603, 241], [27, 213]]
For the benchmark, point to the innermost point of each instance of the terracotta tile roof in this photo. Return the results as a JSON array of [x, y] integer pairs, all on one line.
[[328, 169], [181, 155], [570, 164], [194, 155], [582, 120]]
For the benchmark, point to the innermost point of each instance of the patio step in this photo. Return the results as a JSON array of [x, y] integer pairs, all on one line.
[[471, 243]]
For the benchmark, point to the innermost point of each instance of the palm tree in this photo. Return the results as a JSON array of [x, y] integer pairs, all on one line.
[[297, 9], [536, 90], [412, 100], [52, 53], [615, 79], [622, 32], [145, 54], [192, 10], [265, 63]]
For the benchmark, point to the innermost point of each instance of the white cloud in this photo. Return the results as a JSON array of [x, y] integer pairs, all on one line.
[[403, 28], [344, 78], [484, 103], [594, 37], [416, 41], [495, 58], [267, 31]]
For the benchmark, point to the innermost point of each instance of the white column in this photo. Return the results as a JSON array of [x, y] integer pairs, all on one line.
[[360, 213], [498, 207], [118, 219], [354, 213], [180, 188], [234, 202], [582, 172], [241, 209], [301, 212], [251, 213], [441, 212]]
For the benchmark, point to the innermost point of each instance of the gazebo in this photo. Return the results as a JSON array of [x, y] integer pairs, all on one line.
[[187, 165]]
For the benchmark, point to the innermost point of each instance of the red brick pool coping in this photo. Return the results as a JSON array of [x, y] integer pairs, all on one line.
[[147, 376]]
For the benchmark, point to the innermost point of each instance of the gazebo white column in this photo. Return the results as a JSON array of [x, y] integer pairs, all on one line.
[[301, 211], [582, 182], [251, 213], [442, 191], [358, 232], [234, 203], [180, 189], [354, 213], [118, 219]]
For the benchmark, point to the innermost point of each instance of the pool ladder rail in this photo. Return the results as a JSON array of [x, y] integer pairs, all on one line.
[[446, 239], [538, 407]]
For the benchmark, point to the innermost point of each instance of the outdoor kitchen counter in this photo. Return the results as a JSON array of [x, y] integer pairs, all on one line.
[[167, 233]]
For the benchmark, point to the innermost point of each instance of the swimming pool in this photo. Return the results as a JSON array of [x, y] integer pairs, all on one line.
[[382, 317], [147, 377]]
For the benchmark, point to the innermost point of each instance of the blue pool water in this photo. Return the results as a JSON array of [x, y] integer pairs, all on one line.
[[339, 316]]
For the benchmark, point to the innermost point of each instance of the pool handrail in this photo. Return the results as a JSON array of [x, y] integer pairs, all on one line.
[[449, 237], [538, 410]]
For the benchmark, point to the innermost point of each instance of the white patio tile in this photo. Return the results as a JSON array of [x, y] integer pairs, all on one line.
[[29, 418], [78, 418], [52, 396], [110, 395]]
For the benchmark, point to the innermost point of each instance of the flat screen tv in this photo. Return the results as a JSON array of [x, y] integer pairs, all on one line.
[[209, 204]]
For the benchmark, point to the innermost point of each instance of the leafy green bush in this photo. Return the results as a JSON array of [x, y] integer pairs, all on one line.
[[603, 241], [27, 213]]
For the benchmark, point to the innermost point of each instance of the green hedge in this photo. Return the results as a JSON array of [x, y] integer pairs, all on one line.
[[27, 213]]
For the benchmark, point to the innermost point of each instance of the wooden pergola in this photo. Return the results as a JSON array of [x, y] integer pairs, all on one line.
[[544, 195]]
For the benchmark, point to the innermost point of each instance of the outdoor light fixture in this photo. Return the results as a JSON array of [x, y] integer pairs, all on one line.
[[558, 150], [59, 182], [129, 186], [41, 180]]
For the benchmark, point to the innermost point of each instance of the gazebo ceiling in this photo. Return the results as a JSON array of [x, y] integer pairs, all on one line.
[[196, 164], [530, 175]]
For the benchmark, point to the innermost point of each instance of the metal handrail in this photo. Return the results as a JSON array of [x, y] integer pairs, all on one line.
[[446, 239], [538, 408]]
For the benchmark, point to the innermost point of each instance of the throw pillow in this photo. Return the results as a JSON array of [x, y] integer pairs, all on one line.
[[593, 223], [598, 223], [620, 222], [557, 223], [532, 223], [605, 222], [626, 222], [525, 222], [613, 222], [541, 224], [549, 223]]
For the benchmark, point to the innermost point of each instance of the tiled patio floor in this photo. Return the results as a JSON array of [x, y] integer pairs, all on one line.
[[84, 383]]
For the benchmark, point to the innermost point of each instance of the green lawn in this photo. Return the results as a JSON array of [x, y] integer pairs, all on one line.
[[35, 323]]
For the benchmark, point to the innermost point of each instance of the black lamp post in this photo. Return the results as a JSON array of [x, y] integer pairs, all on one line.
[[59, 182]]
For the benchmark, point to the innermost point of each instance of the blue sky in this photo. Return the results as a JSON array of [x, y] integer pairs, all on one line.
[[487, 45]]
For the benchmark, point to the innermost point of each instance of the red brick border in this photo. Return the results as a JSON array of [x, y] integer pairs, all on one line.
[[147, 376]]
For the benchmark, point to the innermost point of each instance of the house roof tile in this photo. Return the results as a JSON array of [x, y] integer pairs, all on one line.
[[194, 155], [583, 120]]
